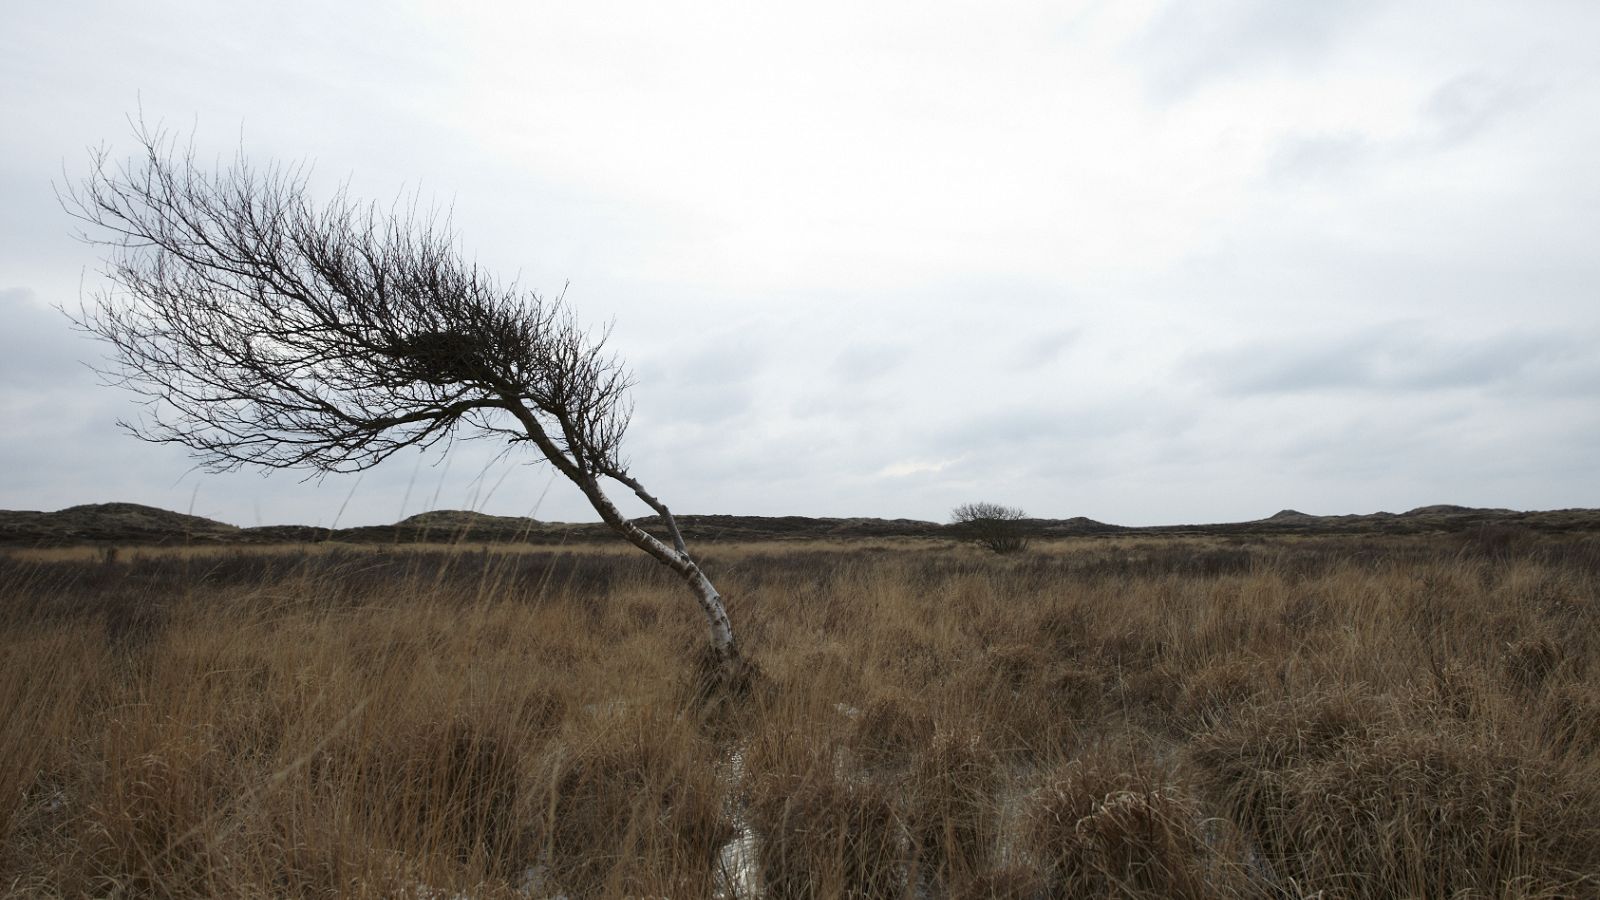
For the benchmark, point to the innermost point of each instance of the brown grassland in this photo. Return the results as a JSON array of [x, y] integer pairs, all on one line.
[[1117, 717]]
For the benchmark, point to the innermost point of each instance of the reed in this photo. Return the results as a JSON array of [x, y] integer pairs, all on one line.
[[1337, 717]]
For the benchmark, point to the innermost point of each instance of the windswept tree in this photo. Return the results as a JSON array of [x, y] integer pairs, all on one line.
[[266, 330]]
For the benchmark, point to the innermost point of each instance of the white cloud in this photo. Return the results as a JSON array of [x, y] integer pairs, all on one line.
[[909, 467]]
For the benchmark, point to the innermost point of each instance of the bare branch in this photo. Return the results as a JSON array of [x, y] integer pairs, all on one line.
[[267, 331], [259, 329]]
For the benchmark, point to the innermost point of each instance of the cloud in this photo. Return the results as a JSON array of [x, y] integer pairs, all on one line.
[[908, 467], [1461, 109], [1189, 44], [1044, 349], [1401, 357], [1472, 102], [868, 360], [705, 384], [37, 350], [1321, 156]]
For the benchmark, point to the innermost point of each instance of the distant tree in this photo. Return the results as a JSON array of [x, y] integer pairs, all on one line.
[[991, 525], [265, 330]]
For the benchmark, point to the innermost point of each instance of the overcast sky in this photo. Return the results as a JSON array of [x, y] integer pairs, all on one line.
[[1144, 262]]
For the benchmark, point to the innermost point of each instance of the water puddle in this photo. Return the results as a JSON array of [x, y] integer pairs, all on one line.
[[739, 860]]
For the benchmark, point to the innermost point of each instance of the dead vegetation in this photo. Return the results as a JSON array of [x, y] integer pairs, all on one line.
[[1128, 717]]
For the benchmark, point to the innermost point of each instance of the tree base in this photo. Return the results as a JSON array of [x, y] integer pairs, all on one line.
[[723, 679]]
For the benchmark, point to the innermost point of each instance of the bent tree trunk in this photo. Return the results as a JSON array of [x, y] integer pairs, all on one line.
[[676, 558], [585, 474]]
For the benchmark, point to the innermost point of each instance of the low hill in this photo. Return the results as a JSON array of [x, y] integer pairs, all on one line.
[[463, 518], [438, 526], [131, 523], [1439, 517], [118, 523]]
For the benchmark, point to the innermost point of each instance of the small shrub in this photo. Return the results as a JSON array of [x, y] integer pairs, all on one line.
[[999, 528]]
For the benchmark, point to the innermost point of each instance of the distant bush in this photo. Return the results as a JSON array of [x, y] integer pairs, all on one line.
[[991, 525]]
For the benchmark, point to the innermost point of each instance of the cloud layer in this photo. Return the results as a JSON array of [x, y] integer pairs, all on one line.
[[1147, 262]]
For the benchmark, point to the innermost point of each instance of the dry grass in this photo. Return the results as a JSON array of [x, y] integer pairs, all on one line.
[[1349, 717]]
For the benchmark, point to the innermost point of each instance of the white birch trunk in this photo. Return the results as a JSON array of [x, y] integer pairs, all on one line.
[[676, 558]]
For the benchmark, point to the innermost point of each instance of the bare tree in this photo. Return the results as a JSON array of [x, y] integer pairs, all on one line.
[[265, 330], [991, 525]]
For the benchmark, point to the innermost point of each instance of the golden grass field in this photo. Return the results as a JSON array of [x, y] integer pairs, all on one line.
[[1124, 717]]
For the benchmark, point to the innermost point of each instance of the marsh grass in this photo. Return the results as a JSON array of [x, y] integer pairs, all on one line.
[[1351, 717]]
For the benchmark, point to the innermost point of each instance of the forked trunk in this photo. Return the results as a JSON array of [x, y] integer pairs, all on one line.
[[723, 648], [724, 652]]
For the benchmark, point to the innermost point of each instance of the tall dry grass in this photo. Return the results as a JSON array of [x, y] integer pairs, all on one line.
[[1345, 717]]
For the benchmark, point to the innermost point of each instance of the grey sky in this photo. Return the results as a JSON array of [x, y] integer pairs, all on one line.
[[1143, 262]]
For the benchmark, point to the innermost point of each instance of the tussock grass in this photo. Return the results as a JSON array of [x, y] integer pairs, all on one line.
[[1130, 717]]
